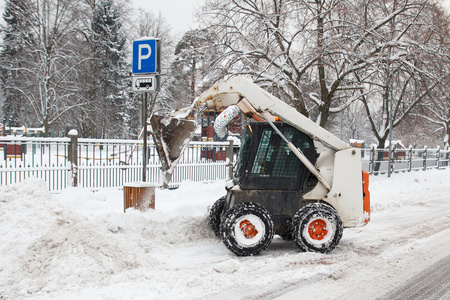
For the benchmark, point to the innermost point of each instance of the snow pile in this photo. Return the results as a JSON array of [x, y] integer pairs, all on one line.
[[50, 247], [80, 244], [58, 242], [24, 211], [408, 188]]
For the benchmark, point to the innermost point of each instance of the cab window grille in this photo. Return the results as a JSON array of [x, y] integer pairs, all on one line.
[[274, 158]]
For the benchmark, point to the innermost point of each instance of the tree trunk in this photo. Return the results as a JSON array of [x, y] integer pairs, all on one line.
[[380, 154], [447, 137], [46, 127], [299, 102], [193, 79], [324, 107]]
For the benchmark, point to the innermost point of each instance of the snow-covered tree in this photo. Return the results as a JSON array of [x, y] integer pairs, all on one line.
[[302, 51], [436, 108], [15, 55], [193, 69], [406, 70], [351, 123], [48, 80], [110, 85], [308, 52], [258, 38]]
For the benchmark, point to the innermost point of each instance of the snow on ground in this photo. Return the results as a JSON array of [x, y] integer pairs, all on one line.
[[80, 244]]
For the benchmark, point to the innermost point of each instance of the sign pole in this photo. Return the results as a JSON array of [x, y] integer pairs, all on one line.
[[144, 153], [146, 67]]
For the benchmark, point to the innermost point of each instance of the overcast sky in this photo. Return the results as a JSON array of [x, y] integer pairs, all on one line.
[[179, 13]]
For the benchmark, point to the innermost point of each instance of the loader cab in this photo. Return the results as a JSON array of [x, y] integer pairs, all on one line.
[[265, 162]]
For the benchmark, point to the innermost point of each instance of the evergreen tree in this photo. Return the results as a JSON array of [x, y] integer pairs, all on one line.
[[193, 69], [110, 68], [15, 56]]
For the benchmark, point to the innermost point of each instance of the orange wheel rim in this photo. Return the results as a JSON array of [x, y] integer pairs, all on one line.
[[317, 229], [248, 229]]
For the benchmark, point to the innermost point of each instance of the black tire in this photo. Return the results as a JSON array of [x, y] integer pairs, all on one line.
[[317, 228], [247, 229], [214, 215]]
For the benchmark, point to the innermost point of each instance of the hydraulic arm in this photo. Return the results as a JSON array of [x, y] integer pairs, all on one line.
[[252, 101]]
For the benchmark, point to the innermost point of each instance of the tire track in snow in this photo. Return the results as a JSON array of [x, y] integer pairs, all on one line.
[[431, 283]]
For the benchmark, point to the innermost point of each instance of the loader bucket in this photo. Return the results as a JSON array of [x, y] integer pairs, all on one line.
[[171, 136]]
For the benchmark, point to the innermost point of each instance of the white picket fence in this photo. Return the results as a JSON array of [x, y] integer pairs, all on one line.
[[113, 163], [104, 163]]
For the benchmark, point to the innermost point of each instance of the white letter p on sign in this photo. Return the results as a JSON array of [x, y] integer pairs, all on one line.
[[140, 56]]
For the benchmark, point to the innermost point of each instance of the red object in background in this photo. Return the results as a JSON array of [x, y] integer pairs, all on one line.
[[214, 154], [14, 150]]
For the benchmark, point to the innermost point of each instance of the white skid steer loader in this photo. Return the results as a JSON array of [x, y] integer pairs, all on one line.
[[292, 178]]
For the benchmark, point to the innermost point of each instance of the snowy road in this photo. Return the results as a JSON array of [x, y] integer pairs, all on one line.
[[80, 244], [431, 283], [411, 241]]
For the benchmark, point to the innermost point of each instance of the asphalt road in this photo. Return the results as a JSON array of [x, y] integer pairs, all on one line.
[[431, 283]]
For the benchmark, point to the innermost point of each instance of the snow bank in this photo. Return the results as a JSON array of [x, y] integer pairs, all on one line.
[[408, 188], [60, 242], [49, 247]]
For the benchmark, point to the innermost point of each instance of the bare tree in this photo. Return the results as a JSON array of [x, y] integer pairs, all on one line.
[[49, 72], [436, 110], [405, 72], [304, 51]]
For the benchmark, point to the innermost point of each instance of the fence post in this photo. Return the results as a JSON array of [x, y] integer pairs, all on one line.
[[410, 158], [425, 158], [73, 156], [438, 154], [371, 160], [229, 154], [447, 156]]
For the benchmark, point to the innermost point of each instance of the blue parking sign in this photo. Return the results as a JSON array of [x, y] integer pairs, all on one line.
[[146, 56]]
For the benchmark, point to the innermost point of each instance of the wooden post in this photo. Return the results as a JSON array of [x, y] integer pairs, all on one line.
[[73, 156]]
